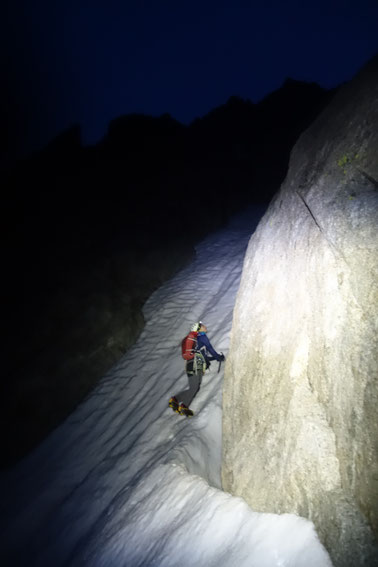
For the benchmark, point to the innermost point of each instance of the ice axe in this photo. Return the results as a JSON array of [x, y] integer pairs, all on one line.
[[220, 363]]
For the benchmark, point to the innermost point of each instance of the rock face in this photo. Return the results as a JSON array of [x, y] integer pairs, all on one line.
[[301, 387]]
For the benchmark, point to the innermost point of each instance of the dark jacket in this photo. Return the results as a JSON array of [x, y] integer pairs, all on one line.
[[204, 346]]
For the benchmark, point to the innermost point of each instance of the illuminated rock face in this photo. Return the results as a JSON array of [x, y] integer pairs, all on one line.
[[300, 416]]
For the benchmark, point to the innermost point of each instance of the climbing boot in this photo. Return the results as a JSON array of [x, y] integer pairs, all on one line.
[[184, 410], [173, 403]]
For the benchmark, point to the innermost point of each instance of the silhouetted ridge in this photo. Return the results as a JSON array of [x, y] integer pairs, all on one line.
[[235, 115], [68, 141], [141, 133]]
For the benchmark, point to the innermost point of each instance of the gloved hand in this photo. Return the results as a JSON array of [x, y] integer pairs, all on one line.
[[207, 364], [221, 357]]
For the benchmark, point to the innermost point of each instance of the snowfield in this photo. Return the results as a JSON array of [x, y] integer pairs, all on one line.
[[127, 482]]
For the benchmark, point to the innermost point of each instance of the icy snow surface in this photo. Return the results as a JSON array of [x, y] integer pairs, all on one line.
[[127, 482]]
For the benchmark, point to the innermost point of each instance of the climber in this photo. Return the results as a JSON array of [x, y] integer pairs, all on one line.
[[197, 363]]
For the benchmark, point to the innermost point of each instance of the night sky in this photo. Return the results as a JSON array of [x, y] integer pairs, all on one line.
[[87, 62]]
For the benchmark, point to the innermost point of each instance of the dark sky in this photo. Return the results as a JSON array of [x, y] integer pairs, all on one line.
[[88, 61]]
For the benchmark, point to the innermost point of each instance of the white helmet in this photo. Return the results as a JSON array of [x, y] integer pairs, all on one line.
[[196, 327]]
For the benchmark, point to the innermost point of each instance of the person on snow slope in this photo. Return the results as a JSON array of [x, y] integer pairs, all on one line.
[[203, 353]]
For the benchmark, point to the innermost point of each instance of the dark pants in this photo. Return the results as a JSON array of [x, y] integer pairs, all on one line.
[[194, 379]]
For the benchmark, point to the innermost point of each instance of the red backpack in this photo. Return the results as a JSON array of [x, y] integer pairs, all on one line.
[[188, 345]]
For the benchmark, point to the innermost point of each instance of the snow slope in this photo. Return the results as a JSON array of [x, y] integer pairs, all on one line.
[[127, 482]]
